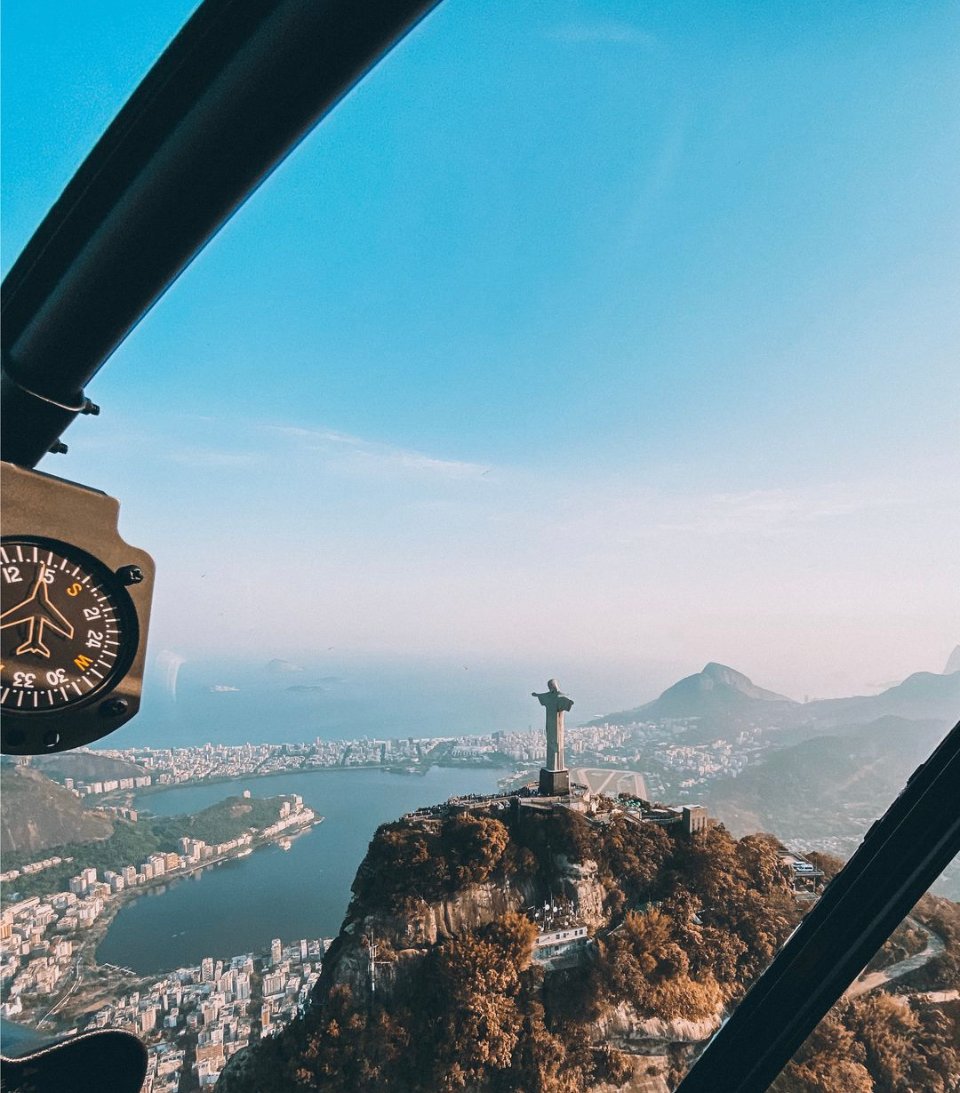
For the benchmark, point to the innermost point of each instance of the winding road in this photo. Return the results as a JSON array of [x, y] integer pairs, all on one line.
[[872, 980]]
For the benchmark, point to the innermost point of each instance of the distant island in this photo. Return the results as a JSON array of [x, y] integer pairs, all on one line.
[[608, 939]]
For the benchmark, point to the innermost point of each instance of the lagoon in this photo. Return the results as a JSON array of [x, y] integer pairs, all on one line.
[[240, 905]]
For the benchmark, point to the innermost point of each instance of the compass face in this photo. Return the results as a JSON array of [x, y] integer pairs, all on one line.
[[67, 626]]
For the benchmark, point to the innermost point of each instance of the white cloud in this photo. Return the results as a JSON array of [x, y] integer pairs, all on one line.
[[773, 511], [358, 455], [240, 445], [211, 457], [606, 31]]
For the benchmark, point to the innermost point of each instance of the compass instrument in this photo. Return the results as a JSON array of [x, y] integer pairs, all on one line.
[[74, 605]]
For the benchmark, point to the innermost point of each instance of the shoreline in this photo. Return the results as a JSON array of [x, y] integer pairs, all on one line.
[[105, 979], [129, 895], [220, 778]]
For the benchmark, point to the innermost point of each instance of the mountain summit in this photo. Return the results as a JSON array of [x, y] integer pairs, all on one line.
[[717, 693], [724, 699], [920, 696], [523, 947], [720, 674]]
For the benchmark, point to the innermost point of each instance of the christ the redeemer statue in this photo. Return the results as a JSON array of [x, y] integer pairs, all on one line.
[[554, 777]]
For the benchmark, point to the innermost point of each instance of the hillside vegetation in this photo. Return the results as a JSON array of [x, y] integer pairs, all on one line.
[[131, 843], [38, 815], [880, 1043], [680, 929]]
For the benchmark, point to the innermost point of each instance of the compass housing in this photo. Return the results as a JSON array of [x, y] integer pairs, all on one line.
[[79, 636]]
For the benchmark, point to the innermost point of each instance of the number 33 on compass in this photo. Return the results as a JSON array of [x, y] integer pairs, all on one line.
[[73, 613]]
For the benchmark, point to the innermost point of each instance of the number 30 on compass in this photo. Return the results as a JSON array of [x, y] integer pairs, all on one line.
[[74, 604]]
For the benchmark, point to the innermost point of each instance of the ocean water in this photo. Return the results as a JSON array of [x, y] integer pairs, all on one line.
[[235, 701], [239, 906], [303, 892]]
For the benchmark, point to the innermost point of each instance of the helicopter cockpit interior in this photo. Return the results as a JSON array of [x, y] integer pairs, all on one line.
[[241, 84]]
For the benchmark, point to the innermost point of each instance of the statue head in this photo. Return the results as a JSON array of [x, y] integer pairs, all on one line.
[[553, 685]]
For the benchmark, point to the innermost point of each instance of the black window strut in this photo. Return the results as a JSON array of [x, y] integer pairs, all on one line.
[[902, 854], [241, 84]]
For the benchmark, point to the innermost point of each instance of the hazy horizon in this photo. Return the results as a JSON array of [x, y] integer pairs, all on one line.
[[221, 699], [586, 341]]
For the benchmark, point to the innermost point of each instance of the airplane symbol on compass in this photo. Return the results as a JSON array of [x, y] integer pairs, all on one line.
[[36, 611]]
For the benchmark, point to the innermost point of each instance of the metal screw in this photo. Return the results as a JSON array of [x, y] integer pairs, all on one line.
[[130, 574], [51, 739], [114, 707], [58, 448]]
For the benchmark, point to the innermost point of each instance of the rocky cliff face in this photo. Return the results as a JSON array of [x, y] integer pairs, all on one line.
[[404, 938], [424, 924], [431, 922], [450, 899], [622, 1027]]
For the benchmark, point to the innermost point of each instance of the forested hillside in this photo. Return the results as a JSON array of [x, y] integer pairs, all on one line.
[[38, 814], [131, 843], [680, 927]]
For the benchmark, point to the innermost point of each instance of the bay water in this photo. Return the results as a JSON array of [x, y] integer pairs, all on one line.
[[303, 892]]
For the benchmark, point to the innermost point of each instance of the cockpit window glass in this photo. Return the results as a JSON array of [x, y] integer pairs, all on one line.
[[578, 343], [898, 1021]]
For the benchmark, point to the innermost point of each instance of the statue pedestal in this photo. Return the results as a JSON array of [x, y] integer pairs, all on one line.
[[554, 783]]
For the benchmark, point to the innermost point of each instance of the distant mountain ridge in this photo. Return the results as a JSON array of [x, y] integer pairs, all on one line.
[[85, 765], [720, 697], [718, 693], [921, 696], [826, 785]]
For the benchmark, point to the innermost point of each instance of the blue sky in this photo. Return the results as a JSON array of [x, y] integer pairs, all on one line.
[[612, 332]]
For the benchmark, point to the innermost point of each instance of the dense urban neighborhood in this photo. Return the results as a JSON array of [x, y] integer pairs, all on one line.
[[93, 844], [49, 973]]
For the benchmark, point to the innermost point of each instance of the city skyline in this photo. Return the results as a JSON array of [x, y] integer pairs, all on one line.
[[642, 320]]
